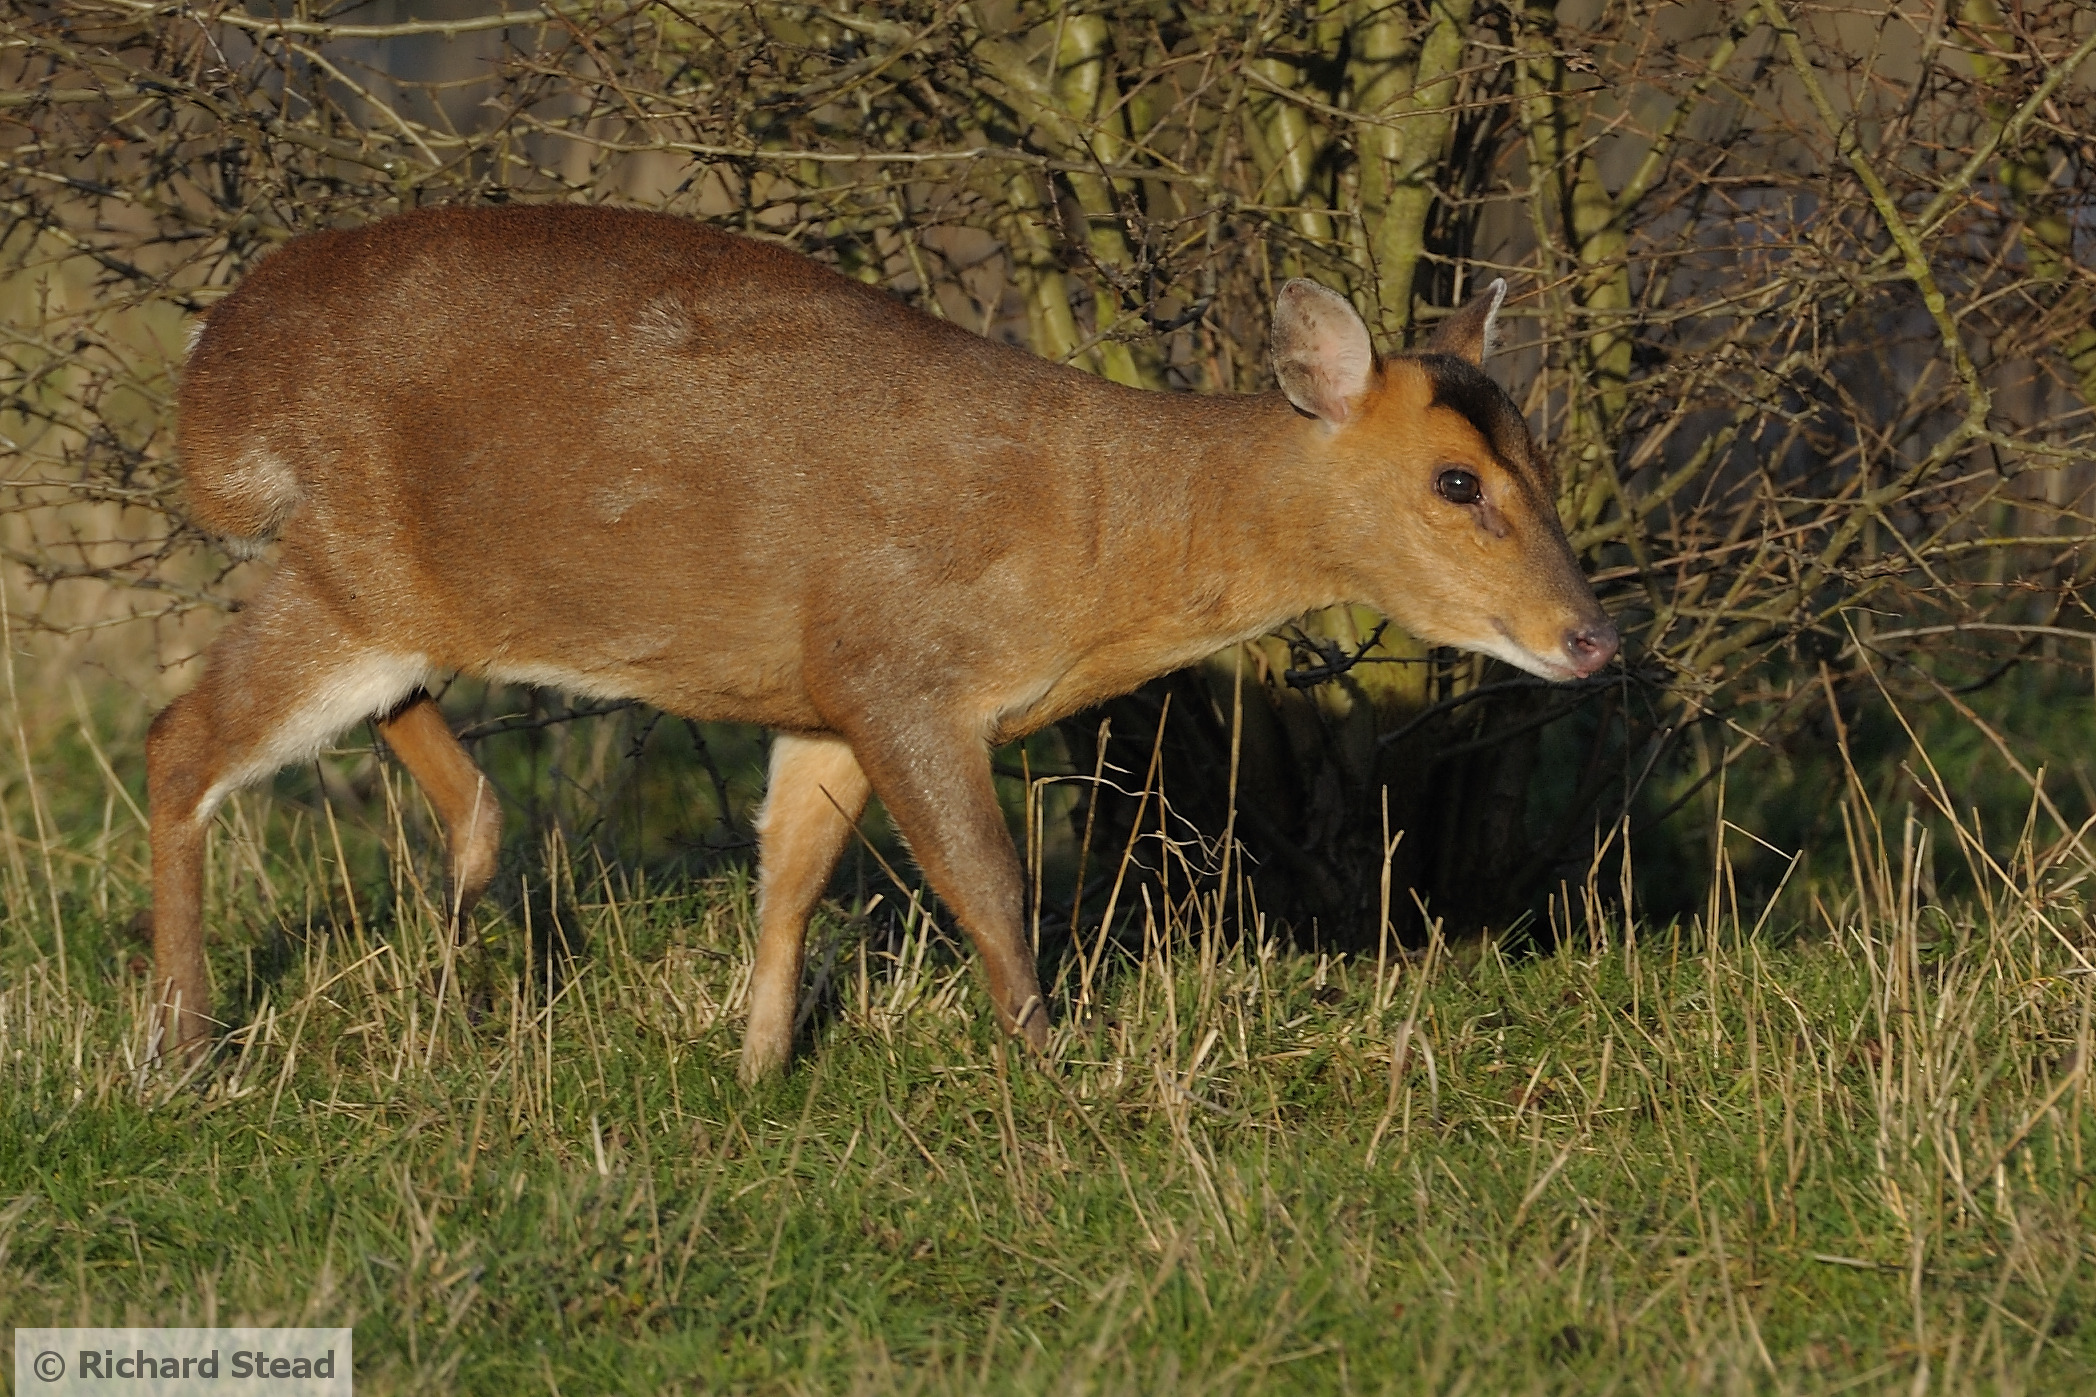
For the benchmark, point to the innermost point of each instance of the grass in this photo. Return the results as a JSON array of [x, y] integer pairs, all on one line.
[[1840, 1153]]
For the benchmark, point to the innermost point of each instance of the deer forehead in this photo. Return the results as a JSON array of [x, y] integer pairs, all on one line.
[[1433, 409]]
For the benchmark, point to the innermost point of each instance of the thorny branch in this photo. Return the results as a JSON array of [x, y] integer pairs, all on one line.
[[1809, 332]]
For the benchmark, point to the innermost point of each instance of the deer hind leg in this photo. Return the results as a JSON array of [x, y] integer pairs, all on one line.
[[464, 801], [816, 795], [281, 681], [937, 788]]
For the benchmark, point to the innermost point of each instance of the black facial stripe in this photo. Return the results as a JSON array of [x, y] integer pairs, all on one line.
[[1464, 388]]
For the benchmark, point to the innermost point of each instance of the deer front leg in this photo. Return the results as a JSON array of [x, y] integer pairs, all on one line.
[[816, 795], [936, 784]]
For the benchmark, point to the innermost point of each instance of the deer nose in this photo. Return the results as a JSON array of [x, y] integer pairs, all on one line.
[[1590, 647]]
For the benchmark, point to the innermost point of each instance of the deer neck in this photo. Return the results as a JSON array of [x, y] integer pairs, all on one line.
[[1214, 531]]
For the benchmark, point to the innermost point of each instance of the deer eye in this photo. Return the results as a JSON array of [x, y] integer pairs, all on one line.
[[1459, 486]]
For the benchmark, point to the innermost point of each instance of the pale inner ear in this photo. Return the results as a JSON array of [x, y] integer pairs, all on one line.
[[1322, 354]]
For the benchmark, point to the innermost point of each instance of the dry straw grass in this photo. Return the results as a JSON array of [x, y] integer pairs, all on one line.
[[1841, 1155], [1804, 311]]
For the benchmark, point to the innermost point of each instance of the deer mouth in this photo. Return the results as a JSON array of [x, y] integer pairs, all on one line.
[[1504, 646]]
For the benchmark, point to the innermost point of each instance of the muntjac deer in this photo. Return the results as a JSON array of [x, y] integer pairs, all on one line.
[[629, 456]]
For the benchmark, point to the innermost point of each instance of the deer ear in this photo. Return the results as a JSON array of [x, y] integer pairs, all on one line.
[[1472, 332], [1322, 356]]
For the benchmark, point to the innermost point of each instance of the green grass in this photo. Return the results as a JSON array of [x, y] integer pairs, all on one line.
[[1716, 1157]]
